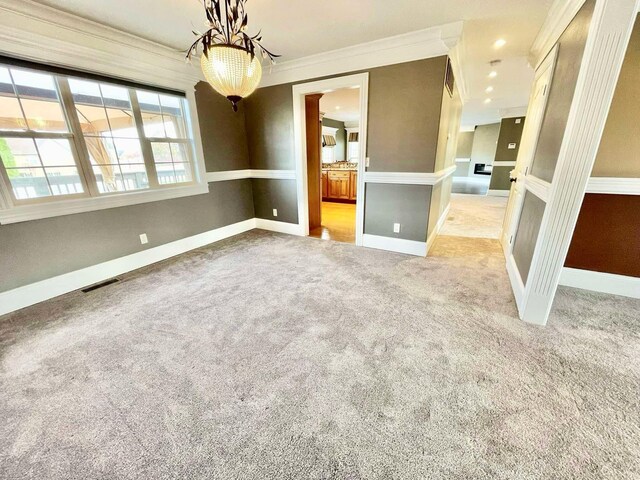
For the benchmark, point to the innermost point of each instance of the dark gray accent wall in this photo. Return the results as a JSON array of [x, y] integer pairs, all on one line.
[[524, 243], [405, 103], [341, 137], [408, 205], [37, 250], [269, 124], [510, 132], [500, 178], [571, 49], [485, 143], [279, 194], [224, 138]]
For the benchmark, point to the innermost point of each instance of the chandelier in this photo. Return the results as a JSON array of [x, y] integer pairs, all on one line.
[[229, 60]]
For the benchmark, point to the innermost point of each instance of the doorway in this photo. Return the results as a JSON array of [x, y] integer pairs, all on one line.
[[330, 122]]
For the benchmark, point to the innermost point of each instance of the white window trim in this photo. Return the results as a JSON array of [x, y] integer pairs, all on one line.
[[42, 34]]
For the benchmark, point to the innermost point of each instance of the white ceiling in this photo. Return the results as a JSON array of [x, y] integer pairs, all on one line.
[[299, 28], [342, 105]]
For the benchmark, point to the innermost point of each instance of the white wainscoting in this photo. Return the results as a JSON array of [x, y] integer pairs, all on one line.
[[399, 245], [601, 282], [614, 185]]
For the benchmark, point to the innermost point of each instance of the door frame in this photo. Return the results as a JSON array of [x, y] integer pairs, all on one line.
[[360, 81], [529, 142], [607, 42]]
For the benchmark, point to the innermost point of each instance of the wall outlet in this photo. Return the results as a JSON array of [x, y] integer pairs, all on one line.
[[396, 228], [512, 146], [143, 239], [275, 212]]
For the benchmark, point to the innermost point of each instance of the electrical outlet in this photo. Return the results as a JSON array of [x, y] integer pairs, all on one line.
[[275, 212], [396, 228], [143, 239]]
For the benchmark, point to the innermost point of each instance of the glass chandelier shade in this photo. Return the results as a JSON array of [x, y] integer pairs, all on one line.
[[231, 72]]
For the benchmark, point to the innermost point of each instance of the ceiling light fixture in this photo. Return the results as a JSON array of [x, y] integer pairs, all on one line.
[[230, 58], [493, 74], [487, 100], [489, 89], [501, 42]]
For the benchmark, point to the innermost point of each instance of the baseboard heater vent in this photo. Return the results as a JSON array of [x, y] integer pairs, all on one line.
[[100, 285]]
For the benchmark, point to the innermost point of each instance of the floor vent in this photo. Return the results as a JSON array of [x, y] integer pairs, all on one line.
[[100, 285]]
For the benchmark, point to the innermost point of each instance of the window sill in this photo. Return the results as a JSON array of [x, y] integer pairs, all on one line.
[[59, 208]]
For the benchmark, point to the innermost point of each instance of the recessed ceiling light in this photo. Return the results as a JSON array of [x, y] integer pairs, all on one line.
[[327, 91], [355, 87], [501, 42], [493, 74], [487, 100], [338, 108], [489, 89]]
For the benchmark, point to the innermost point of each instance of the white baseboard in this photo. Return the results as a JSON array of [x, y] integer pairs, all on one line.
[[498, 193], [52, 287], [443, 218], [399, 245], [281, 227], [601, 282]]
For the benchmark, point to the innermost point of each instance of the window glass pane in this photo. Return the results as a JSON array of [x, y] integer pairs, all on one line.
[[10, 112], [64, 180], [122, 123], [85, 92], [93, 120], [19, 152], [39, 99], [172, 162], [135, 177], [151, 114], [173, 116], [55, 152], [128, 150], [183, 172], [161, 152], [109, 178], [179, 152], [28, 183], [101, 150], [166, 175]]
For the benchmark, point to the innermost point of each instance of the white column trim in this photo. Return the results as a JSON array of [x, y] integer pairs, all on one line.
[[606, 46], [409, 178], [601, 282]]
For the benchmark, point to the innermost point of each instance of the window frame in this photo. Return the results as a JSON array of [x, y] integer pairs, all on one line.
[[14, 210]]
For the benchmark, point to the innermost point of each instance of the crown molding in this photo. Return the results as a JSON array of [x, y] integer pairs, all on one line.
[[458, 55], [39, 33], [427, 43], [560, 15]]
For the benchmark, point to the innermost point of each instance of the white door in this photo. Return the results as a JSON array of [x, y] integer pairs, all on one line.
[[533, 123]]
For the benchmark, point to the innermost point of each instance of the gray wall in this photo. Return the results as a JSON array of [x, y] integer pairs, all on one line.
[[275, 193], [223, 132], [33, 251], [405, 103], [40, 249], [500, 178], [485, 142], [465, 145], [341, 138], [571, 49], [619, 153], [408, 205]]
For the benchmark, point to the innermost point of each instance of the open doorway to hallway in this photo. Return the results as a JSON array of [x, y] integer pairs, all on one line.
[[339, 154]]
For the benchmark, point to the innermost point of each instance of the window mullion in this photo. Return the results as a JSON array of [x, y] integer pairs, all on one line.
[[79, 147], [147, 151]]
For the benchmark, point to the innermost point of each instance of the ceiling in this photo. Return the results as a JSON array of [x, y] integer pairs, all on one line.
[[342, 105], [306, 27]]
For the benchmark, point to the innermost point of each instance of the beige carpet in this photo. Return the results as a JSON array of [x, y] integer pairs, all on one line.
[[475, 216], [269, 356]]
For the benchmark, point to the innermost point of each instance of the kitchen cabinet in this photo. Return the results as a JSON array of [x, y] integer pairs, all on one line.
[[339, 185]]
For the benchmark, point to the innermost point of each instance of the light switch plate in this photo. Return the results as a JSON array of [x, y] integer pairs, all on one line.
[[518, 120], [512, 146], [143, 239], [396, 228], [275, 212]]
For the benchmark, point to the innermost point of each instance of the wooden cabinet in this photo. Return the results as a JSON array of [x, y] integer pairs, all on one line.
[[339, 185], [325, 184], [353, 186]]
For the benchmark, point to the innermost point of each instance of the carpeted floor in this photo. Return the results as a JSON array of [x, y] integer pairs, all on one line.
[[475, 216], [268, 356]]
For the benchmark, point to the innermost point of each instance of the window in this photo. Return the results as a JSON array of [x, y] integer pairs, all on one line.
[[63, 137]]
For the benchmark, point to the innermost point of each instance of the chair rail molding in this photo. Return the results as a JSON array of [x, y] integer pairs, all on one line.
[[614, 185], [409, 178], [223, 176], [427, 43], [558, 19]]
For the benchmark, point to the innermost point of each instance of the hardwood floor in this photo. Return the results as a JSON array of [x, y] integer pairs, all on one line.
[[338, 223]]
